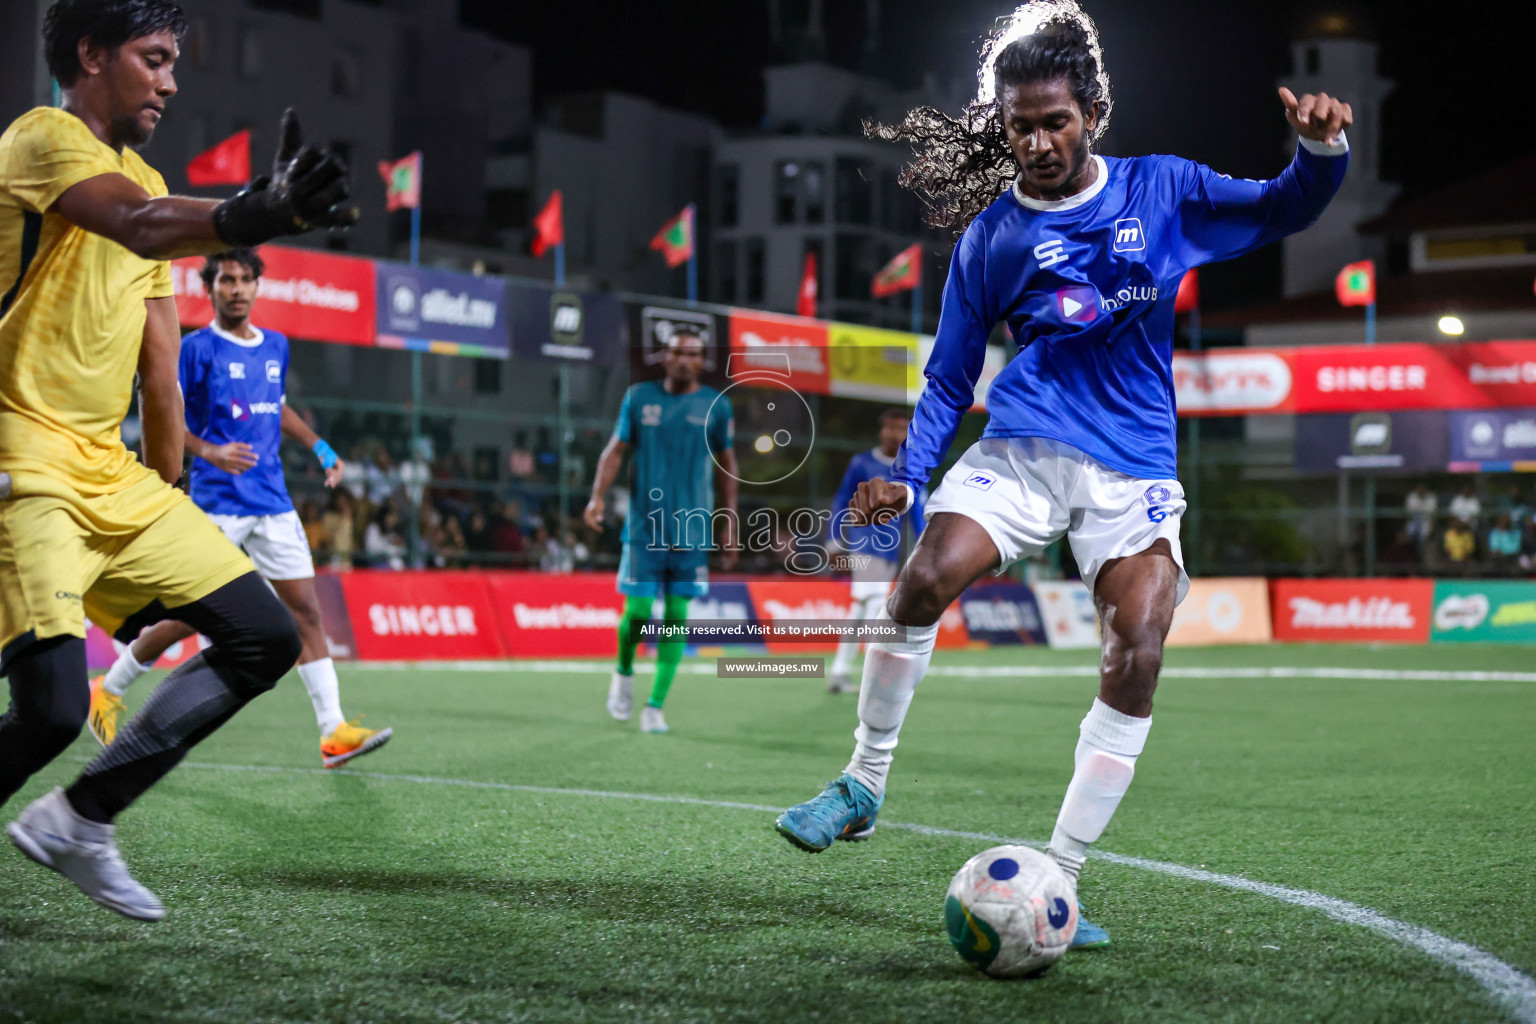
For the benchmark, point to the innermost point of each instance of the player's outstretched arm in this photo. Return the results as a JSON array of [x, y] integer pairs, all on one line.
[[306, 190], [607, 472], [160, 407], [294, 428]]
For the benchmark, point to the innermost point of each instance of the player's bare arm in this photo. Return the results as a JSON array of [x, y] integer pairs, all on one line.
[[295, 429], [608, 465], [160, 406], [1320, 117], [727, 483], [306, 190]]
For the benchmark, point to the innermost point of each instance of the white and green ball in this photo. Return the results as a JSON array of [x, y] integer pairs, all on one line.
[[1011, 912]]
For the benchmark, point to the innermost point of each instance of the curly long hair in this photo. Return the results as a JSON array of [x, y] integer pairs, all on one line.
[[964, 163]]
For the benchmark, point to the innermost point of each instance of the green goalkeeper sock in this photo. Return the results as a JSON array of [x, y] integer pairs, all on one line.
[[637, 612], [670, 651]]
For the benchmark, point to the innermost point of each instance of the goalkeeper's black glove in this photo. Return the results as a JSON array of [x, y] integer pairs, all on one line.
[[307, 189]]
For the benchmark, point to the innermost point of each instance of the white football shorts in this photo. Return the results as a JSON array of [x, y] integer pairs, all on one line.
[[277, 545], [1027, 492]]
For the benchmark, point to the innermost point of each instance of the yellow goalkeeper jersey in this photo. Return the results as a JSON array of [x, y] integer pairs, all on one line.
[[71, 313]]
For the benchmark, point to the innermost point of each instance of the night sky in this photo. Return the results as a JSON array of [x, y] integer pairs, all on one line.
[[1191, 77]]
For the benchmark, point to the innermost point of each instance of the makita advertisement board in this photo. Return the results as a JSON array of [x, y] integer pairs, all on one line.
[[1352, 611]]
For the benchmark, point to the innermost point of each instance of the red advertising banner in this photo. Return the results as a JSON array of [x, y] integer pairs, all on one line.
[[422, 616], [317, 296], [763, 344], [799, 600], [1356, 378], [545, 616], [1352, 611]]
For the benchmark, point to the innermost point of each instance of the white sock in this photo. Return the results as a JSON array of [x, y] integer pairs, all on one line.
[[867, 610], [324, 688], [123, 672], [1108, 745], [891, 674], [847, 650]]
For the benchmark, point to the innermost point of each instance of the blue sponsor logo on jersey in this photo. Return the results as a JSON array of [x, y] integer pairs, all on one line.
[[1129, 237], [1079, 304], [1059, 913], [274, 371]]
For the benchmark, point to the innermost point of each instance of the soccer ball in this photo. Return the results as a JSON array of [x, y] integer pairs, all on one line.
[[1011, 912]]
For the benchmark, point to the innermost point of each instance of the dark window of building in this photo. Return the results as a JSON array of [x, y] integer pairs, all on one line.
[[248, 57], [506, 208], [1314, 60], [854, 192], [757, 270], [725, 272], [814, 190], [857, 262], [487, 376], [730, 184], [346, 73], [786, 191]]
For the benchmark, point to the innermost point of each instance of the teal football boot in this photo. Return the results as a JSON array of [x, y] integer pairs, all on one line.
[[1088, 936], [845, 810]]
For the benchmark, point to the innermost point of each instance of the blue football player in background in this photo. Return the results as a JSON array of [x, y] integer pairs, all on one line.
[[679, 432], [1081, 255], [234, 381], [873, 551]]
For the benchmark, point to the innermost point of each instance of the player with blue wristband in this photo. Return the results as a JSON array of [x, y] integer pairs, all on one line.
[[1081, 255], [234, 382]]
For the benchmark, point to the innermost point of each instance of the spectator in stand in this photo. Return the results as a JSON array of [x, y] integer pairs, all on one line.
[[551, 556], [383, 542], [382, 476], [507, 533], [1504, 544], [451, 548], [340, 533], [1460, 545], [479, 539], [1466, 507], [581, 553], [1421, 506]]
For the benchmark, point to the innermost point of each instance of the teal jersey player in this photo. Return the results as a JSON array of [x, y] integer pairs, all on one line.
[[678, 433]]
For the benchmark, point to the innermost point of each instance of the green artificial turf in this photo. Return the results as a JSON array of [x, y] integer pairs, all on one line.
[[402, 892]]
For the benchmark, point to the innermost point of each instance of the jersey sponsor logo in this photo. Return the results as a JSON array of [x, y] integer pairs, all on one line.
[[1129, 237], [1079, 304], [274, 371], [1127, 295], [650, 415], [237, 371], [981, 481], [1049, 253], [240, 410]]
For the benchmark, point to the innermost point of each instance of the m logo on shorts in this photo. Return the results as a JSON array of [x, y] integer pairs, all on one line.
[[980, 481]]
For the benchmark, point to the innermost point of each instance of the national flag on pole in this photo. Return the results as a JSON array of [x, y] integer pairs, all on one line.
[[904, 272], [805, 303], [1356, 284], [1188, 296], [675, 239], [402, 182], [228, 163], [549, 225]]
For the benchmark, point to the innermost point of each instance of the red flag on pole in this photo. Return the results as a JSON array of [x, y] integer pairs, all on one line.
[[675, 239], [227, 163], [904, 272], [1188, 296], [549, 225], [1356, 284], [805, 304], [402, 182]]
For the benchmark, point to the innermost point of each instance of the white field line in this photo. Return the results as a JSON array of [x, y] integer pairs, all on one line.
[[707, 668], [1506, 985]]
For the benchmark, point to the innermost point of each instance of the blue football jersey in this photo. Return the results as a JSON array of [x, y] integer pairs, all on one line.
[[883, 540], [234, 390], [1087, 285], [673, 439]]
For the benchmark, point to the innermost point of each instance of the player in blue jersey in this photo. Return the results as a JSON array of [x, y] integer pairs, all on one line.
[[679, 433], [234, 382], [1081, 254], [873, 552]]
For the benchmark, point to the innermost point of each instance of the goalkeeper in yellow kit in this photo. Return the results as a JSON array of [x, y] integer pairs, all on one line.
[[86, 530]]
